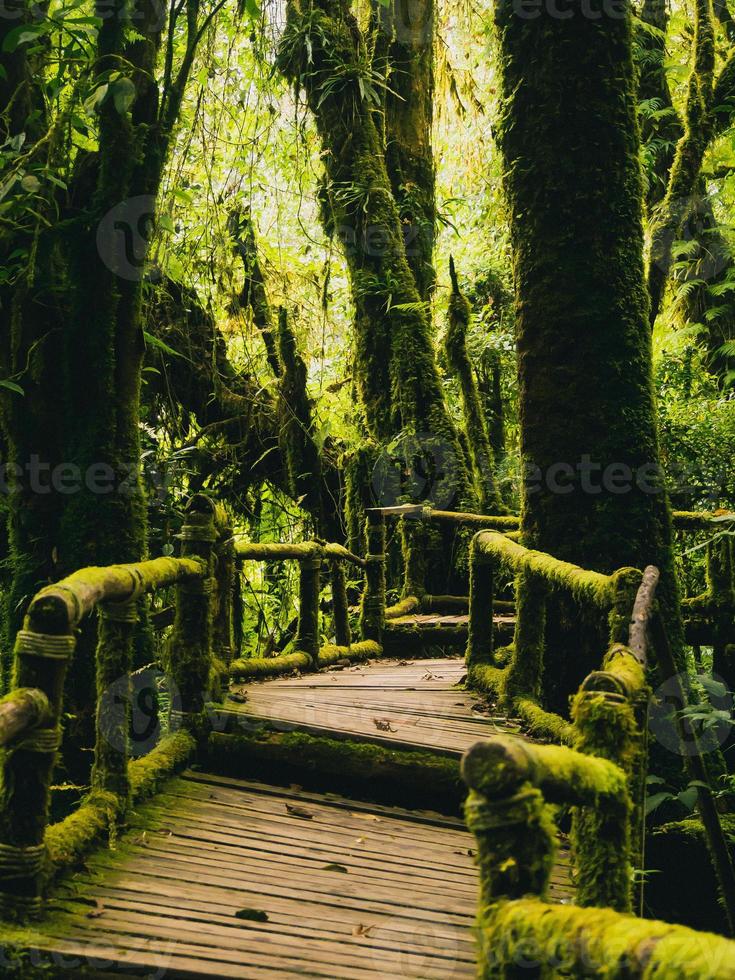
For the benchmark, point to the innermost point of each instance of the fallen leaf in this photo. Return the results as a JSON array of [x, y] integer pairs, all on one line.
[[237, 697], [335, 867], [384, 725], [97, 911], [252, 915], [362, 930], [299, 811]]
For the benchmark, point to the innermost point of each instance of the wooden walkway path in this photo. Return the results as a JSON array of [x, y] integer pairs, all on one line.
[[412, 703], [221, 877], [225, 878]]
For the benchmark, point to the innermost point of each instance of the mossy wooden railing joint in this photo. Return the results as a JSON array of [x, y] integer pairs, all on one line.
[[372, 611], [192, 640]]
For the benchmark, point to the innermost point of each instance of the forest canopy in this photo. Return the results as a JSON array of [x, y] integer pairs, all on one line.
[[263, 248]]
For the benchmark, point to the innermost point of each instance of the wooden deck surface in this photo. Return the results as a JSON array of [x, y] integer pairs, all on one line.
[[350, 890], [413, 703], [221, 877]]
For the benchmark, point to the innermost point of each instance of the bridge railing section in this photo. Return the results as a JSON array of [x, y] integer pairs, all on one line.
[[605, 599], [601, 775], [31, 714], [509, 809], [197, 656], [314, 557], [708, 613]]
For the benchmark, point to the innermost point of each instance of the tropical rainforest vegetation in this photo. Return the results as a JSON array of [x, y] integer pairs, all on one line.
[[311, 257]]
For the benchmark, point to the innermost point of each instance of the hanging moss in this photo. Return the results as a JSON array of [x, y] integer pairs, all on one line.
[[323, 51]]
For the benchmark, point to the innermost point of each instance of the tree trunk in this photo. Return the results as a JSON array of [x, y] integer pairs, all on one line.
[[592, 491]]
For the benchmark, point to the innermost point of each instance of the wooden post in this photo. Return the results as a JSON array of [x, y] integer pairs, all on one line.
[[480, 630], [42, 652], [372, 614], [510, 821], [307, 636], [191, 643], [340, 607], [115, 634], [223, 640]]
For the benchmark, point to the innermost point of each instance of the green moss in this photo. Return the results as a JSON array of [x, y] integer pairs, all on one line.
[[323, 51], [270, 666], [357, 769], [67, 842], [544, 724], [682, 886], [356, 652], [561, 940], [516, 843], [169, 756], [583, 338], [607, 727], [409, 604], [99, 813]]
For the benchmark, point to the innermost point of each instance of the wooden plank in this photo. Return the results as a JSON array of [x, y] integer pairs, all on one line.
[[393, 932]]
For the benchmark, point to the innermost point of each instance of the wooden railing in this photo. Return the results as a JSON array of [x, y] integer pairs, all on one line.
[[312, 556], [197, 658], [603, 778], [32, 711], [511, 787]]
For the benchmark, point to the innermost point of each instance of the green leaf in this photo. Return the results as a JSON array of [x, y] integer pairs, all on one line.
[[97, 97], [688, 797], [31, 184], [252, 9], [12, 386], [155, 342], [22, 34], [165, 223], [655, 801], [715, 689], [123, 94]]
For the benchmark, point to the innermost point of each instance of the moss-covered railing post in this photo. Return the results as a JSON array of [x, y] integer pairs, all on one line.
[[43, 649], [480, 628], [115, 636], [340, 605], [511, 823], [307, 636], [191, 642], [223, 640], [372, 616]]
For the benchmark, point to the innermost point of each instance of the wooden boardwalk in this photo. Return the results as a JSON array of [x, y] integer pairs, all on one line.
[[412, 703], [221, 877], [226, 878]]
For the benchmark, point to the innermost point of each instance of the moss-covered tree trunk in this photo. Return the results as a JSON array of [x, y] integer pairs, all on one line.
[[323, 50], [74, 324], [592, 489], [409, 115]]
